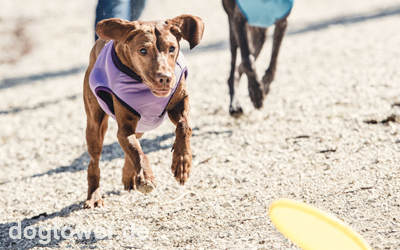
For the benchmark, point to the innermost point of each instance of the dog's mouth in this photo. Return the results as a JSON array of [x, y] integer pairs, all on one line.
[[157, 89], [161, 92]]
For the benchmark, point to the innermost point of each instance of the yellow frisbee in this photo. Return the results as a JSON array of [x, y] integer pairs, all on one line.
[[313, 229]]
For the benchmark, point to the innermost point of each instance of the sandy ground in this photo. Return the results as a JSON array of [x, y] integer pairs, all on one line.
[[328, 134]]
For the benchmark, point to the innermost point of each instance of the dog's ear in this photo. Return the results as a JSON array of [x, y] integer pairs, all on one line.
[[188, 27], [115, 29]]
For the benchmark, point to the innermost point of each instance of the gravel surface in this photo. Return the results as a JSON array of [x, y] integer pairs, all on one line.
[[328, 135]]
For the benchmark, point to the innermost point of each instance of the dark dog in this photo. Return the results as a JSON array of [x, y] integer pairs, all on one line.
[[250, 40], [136, 75]]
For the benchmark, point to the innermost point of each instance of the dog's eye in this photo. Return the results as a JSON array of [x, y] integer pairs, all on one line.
[[171, 49], [143, 51]]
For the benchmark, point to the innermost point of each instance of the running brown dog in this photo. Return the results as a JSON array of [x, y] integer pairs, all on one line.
[[147, 51]]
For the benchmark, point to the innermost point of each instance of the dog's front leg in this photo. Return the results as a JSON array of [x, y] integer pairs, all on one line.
[[182, 156], [97, 122], [234, 106], [256, 91], [136, 173]]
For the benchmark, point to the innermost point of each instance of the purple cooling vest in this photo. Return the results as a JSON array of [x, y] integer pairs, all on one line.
[[109, 75]]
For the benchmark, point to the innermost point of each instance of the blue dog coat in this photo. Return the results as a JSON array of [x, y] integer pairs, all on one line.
[[264, 13]]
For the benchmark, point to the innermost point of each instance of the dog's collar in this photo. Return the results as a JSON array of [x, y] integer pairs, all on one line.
[[122, 67]]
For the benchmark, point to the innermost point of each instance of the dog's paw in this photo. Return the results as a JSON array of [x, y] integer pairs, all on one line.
[[93, 203], [94, 200], [235, 111], [267, 80], [127, 181], [143, 182], [128, 178], [256, 92], [181, 166]]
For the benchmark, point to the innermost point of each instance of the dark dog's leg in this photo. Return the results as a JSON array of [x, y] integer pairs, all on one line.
[[95, 130], [234, 107], [136, 173], [255, 89], [257, 37], [279, 33], [182, 156]]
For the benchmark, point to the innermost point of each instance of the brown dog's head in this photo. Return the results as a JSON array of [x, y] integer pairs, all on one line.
[[153, 47]]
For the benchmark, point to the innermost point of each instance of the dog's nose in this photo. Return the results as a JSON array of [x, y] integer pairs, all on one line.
[[164, 78]]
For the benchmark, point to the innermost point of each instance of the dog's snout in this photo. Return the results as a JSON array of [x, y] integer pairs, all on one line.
[[164, 78]]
